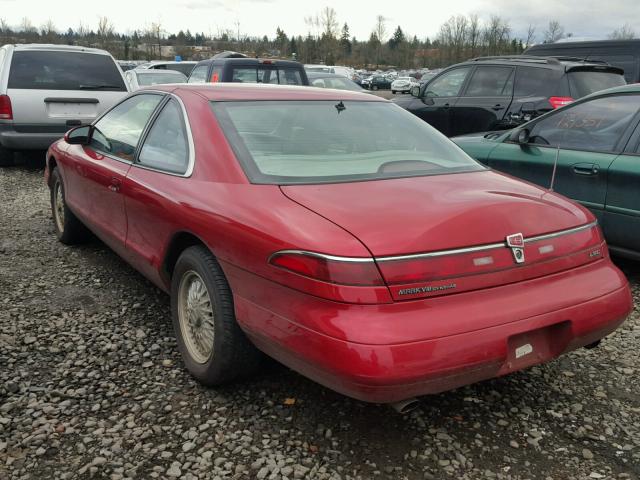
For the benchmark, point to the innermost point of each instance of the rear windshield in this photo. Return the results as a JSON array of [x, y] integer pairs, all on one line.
[[289, 142], [155, 78], [585, 83], [284, 76], [42, 70], [339, 83]]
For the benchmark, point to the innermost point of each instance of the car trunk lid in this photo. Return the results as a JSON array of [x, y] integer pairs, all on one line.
[[436, 235]]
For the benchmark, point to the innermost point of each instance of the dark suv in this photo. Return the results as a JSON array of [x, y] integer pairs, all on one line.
[[236, 67], [497, 93]]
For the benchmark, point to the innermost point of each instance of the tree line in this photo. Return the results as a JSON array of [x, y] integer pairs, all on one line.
[[327, 41]]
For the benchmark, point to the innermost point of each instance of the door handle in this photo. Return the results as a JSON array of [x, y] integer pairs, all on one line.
[[587, 169], [446, 105], [497, 106], [115, 184]]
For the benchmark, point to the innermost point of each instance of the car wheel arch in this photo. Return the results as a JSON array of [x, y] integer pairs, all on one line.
[[179, 242], [51, 165]]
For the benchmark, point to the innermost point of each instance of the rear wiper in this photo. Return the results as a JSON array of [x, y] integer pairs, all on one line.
[[99, 87]]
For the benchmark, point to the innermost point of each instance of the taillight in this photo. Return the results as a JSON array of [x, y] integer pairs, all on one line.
[[215, 78], [327, 268], [6, 113], [557, 102]]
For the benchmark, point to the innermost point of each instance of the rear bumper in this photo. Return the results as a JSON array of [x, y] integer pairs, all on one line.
[[30, 137], [442, 357]]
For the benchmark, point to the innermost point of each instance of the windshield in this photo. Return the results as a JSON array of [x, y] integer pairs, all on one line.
[[51, 70], [584, 83], [289, 142], [156, 78]]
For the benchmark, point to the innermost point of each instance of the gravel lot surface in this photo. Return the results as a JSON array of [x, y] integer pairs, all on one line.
[[91, 386]]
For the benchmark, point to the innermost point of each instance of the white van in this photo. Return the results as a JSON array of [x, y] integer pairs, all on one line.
[[46, 90]]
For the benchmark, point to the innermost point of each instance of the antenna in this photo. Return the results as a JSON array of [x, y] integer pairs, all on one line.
[[555, 166]]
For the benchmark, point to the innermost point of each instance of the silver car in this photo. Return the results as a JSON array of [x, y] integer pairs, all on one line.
[[183, 66], [46, 90], [139, 78]]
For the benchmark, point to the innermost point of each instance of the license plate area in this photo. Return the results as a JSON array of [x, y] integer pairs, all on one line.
[[537, 346]]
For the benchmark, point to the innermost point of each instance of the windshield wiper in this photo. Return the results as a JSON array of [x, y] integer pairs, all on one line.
[[100, 87]]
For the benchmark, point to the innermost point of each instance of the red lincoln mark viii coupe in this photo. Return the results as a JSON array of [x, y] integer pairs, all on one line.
[[337, 233]]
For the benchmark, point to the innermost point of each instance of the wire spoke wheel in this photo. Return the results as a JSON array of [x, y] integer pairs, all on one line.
[[196, 317], [58, 210]]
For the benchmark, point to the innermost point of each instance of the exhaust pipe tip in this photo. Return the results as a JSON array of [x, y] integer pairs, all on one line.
[[593, 345], [405, 406]]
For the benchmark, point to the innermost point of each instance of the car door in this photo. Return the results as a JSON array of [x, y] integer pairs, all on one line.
[[621, 223], [485, 100], [585, 137], [439, 95], [99, 169], [154, 183]]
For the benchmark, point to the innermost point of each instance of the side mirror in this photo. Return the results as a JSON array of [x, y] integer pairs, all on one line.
[[79, 136], [415, 91], [520, 136]]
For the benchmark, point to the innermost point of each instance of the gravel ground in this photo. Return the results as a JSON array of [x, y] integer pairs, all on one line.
[[91, 386]]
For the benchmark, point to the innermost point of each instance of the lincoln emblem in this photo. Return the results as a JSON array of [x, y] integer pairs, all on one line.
[[516, 243]]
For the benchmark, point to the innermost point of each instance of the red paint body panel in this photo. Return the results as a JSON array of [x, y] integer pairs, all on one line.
[[423, 214], [360, 340]]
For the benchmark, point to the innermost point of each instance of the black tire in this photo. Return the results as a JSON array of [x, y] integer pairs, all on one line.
[[375, 87], [393, 92], [69, 229], [6, 157], [233, 356]]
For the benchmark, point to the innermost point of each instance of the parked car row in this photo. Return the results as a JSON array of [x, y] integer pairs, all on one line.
[[227, 231]]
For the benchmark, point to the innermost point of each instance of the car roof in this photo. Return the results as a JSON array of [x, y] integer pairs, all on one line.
[[252, 91], [585, 43], [251, 61], [155, 71], [325, 75], [168, 62], [531, 60], [62, 48]]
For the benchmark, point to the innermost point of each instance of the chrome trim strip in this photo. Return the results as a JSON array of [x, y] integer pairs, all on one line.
[[481, 248], [561, 233], [441, 253], [322, 255]]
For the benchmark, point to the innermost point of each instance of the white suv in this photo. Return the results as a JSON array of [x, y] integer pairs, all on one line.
[[46, 90]]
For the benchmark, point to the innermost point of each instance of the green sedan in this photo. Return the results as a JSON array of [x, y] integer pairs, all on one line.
[[594, 144]]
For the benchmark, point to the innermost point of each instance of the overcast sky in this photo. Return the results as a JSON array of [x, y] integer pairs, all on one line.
[[583, 18]]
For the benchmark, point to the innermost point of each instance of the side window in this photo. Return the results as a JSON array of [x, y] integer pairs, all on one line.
[[595, 125], [491, 82], [118, 132], [289, 76], [199, 74], [166, 147], [448, 84], [532, 81]]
